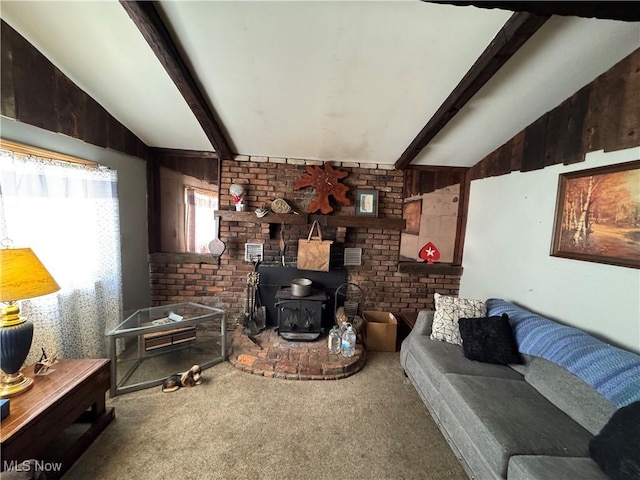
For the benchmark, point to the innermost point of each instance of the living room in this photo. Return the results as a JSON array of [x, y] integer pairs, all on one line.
[[501, 250]]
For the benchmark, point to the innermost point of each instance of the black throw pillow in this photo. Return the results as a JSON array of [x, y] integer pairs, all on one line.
[[617, 447], [489, 340]]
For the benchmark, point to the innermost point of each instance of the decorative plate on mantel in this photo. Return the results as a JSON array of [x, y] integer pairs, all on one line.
[[280, 206]]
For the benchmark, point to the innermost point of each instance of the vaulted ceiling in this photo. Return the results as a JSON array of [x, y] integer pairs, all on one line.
[[352, 81]]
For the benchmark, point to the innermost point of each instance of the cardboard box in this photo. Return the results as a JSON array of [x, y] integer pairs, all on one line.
[[380, 330]]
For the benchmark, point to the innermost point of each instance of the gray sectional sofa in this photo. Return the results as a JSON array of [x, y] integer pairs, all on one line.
[[527, 421]]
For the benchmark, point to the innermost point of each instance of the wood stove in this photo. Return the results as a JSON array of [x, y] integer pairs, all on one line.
[[300, 318], [275, 278]]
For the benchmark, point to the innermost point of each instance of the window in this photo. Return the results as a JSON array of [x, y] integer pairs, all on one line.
[[200, 223], [69, 215]]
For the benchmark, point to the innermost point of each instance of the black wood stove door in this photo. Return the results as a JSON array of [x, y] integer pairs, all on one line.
[[299, 316]]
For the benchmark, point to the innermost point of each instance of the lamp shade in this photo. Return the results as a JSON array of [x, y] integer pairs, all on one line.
[[22, 275]]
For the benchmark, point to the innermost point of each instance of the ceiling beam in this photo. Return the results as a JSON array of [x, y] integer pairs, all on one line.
[[626, 11], [515, 32], [146, 17]]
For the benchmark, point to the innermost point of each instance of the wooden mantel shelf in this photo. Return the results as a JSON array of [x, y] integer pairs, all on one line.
[[420, 268], [324, 220], [288, 218]]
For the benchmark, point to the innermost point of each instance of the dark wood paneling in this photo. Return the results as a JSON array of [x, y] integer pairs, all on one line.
[[35, 92], [461, 225], [95, 121], [603, 115], [34, 86], [623, 105], [556, 134], [502, 163], [153, 206], [517, 149], [534, 145], [418, 180], [69, 107], [7, 92], [198, 164], [572, 151]]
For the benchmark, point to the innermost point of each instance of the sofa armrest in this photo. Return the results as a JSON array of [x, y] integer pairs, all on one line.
[[420, 328], [423, 323]]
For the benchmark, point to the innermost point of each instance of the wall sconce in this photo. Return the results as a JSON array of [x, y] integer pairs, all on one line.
[[22, 276]]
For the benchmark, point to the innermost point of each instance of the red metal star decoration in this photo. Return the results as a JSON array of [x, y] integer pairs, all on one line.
[[429, 253], [326, 181]]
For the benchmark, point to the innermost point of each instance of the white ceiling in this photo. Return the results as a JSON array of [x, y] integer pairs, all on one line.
[[328, 80]]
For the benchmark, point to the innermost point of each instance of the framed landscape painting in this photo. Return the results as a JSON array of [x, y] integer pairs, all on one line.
[[598, 215]]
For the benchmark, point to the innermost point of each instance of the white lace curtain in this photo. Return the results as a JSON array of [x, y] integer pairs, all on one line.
[[68, 215]]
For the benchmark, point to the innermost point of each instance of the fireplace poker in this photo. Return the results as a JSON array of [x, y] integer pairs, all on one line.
[[253, 340], [283, 245]]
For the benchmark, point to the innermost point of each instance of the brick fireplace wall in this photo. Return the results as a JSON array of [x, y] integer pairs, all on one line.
[[267, 178]]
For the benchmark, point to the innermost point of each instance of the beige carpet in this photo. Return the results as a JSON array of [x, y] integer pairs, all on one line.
[[371, 425]]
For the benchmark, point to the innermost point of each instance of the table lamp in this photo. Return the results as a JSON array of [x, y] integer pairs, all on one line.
[[22, 276]]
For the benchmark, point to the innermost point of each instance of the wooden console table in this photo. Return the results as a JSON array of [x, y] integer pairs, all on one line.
[[73, 392]]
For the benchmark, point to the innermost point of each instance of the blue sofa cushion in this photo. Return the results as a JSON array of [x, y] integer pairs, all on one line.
[[617, 447], [489, 340], [613, 372]]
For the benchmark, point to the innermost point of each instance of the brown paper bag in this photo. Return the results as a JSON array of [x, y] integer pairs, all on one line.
[[314, 253]]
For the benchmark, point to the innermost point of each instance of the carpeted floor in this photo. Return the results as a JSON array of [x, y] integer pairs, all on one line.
[[371, 425]]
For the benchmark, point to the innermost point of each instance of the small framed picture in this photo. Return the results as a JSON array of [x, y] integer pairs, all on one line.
[[367, 203]]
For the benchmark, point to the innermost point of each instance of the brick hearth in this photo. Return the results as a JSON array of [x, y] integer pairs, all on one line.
[[280, 358]]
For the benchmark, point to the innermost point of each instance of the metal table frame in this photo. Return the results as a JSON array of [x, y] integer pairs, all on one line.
[[124, 333]]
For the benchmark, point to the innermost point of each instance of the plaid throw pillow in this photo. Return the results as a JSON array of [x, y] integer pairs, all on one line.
[[448, 311]]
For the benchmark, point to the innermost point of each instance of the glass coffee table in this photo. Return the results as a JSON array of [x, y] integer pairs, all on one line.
[[156, 342]]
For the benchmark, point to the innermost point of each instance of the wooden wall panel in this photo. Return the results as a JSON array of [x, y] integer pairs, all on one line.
[[517, 147], [557, 133], [418, 180], [572, 151], [34, 80], [69, 107], [201, 165], [7, 92], [602, 115], [34, 91], [534, 145], [623, 102]]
